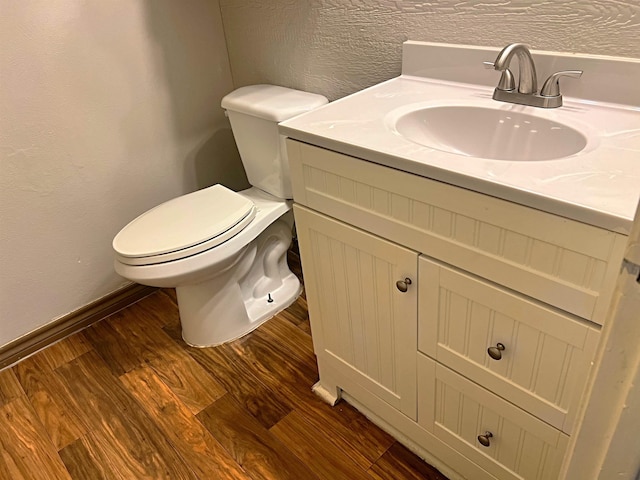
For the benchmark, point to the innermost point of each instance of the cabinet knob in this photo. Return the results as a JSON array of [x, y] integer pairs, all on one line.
[[403, 285], [484, 439], [496, 352]]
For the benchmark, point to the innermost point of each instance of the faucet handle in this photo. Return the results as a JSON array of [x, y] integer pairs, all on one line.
[[551, 87], [507, 81]]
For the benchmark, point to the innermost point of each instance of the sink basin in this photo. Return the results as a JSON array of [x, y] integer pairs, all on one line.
[[489, 133]]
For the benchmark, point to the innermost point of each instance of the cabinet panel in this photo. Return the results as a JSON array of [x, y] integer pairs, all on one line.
[[458, 411], [546, 353], [561, 262], [361, 322]]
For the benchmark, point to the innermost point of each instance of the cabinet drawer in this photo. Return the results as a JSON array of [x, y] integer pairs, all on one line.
[[458, 411], [562, 262], [546, 354]]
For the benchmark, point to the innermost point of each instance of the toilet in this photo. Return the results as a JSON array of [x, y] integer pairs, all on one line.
[[223, 251]]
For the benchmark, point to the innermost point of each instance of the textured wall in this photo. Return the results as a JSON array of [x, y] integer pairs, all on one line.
[[336, 47], [107, 109]]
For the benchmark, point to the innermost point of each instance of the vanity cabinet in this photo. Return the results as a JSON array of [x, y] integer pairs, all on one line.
[[464, 323]]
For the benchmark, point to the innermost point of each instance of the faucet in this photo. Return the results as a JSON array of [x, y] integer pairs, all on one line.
[[527, 92], [527, 79]]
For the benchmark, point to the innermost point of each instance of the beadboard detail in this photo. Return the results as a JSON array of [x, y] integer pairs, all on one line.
[[72, 323], [562, 262], [371, 336], [521, 447], [547, 353]]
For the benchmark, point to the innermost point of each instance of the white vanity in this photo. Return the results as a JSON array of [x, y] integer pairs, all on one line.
[[458, 301]]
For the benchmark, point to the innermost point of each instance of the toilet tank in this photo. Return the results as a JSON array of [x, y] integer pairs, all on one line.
[[254, 113]]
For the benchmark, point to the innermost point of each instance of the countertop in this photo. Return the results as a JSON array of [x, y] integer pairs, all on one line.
[[599, 185]]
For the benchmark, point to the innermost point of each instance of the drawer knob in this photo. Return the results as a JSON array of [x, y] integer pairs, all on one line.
[[484, 439], [496, 352], [403, 285]]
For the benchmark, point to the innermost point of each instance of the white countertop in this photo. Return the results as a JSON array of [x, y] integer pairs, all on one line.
[[599, 185]]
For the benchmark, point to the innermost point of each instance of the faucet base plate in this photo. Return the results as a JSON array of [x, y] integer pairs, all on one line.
[[531, 99]]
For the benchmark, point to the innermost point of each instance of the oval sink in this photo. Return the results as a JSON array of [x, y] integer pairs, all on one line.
[[489, 133]]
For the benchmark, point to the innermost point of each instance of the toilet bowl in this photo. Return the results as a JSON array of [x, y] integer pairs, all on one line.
[[225, 252], [229, 289]]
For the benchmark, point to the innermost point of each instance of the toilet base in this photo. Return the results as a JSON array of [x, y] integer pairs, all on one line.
[[218, 332], [250, 291]]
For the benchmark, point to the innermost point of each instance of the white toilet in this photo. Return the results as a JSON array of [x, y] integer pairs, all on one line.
[[225, 252]]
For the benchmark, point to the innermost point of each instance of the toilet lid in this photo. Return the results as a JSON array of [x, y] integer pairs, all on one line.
[[184, 226]]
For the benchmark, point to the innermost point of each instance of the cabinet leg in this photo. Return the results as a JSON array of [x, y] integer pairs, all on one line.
[[327, 395]]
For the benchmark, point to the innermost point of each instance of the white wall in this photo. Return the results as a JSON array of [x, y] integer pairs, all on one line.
[[336, 47], [106, 108]]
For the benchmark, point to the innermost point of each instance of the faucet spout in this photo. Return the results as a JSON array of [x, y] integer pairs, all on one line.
[[527, 79]]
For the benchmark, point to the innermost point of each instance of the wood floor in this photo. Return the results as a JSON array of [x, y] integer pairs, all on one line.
[[128, 399]]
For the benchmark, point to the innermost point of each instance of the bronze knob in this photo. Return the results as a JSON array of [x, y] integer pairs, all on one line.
[[484, 439], [403, 285], [496, 352]]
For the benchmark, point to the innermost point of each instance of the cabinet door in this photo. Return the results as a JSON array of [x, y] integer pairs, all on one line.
[[364, 327]]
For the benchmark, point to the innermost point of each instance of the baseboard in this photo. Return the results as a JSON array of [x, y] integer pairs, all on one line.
[[71, 323]]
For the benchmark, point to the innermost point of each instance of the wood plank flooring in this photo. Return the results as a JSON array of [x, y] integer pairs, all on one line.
[[128, 399]]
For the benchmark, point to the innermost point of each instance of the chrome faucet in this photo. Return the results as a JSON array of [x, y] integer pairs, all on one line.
[[527, 92]]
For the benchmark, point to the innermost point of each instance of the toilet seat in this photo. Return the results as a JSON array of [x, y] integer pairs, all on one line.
[[184, 226]]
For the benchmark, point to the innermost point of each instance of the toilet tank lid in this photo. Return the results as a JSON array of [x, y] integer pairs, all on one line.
[[271, 102]]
